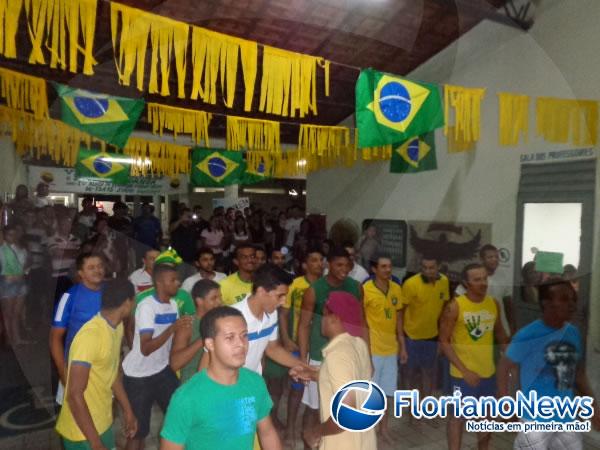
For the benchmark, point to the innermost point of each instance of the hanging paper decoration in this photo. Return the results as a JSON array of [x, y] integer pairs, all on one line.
[[415, 155], [157, 157], [111, 167], [391, 109], [179, 120], [252, 134], [466, 103], [10, 12], [323, 140], [560, 120], [24, 92], [131, 28], [215, 59], [513, 118], [64, 27], [109, 118], [289, 82], [457, 144], [45, 137]]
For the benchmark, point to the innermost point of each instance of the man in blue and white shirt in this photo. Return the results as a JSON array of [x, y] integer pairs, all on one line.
[[148, 376]]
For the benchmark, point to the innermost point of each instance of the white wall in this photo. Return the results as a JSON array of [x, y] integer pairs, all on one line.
[[558, 57]]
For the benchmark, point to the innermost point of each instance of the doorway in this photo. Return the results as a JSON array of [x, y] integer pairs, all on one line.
[[555, 212]]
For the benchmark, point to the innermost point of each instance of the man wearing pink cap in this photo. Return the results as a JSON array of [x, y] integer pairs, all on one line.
[[345, 358]]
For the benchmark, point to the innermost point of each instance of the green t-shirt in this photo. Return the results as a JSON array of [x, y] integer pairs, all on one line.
[[322, 289], [192, 367], [206, 415], [185, 303]]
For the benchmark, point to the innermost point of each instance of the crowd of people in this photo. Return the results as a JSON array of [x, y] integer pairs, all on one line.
[[240, 313]]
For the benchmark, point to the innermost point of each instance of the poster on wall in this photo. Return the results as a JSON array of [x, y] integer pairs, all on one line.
[[454, 244], [386, 236], [63, 180], [235, 203]]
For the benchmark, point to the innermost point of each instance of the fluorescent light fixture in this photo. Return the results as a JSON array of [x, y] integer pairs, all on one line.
[[207, 190], [276, 191], [132, 161]]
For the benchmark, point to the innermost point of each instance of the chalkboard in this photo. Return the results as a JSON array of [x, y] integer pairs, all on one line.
[[391, 235]]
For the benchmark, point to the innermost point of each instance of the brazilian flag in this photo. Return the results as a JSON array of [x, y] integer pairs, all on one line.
[[213, 168], [392, 109], [111, 119], [102, 165], [262, 172], [415, 155]]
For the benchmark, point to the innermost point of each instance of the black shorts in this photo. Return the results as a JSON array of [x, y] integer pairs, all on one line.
[[143, 392]]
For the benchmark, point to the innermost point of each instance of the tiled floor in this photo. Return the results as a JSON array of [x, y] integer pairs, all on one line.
[[418, 435]]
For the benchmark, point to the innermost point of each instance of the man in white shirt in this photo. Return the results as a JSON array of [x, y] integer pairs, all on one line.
[[205, 263], [269, 291], [142, 278], [148, 376], [292, 225]]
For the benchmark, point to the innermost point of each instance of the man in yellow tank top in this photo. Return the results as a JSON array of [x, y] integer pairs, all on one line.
[[468, 327]]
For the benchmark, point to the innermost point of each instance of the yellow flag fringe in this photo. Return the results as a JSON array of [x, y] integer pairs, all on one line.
[[215, 58], [252, 134], [45, 137], [558, 120], [10, 11], [324, 140], [513, 118], [167, 38], [179, 120], [458, 144], [289, 82], [24, 92], [50, 23], [157, 158], [466, 103]]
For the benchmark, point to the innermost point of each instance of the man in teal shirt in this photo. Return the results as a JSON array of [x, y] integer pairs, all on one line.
[[225, 405]]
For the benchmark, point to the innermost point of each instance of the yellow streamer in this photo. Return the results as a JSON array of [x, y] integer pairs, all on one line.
[[324, 140], [215, 58], [168, 38], [513, 118], [179, 120], [10, 11], [24, 92], [458, 144], [558, 120], [289, 82], [466, 103], [157, 158], [252, 134], [64, 27], [44, 137]]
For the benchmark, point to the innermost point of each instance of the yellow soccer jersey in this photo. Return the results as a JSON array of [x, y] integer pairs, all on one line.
[[97, 345], [381, 312], [293, 303], [424, 302], [234, 289], [473, 336]]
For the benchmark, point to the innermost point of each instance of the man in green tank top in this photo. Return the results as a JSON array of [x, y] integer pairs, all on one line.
[[188, 345], [310, 339]]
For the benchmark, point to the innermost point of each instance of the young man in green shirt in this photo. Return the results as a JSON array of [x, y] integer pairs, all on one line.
[[187, 342], [225, 405]]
